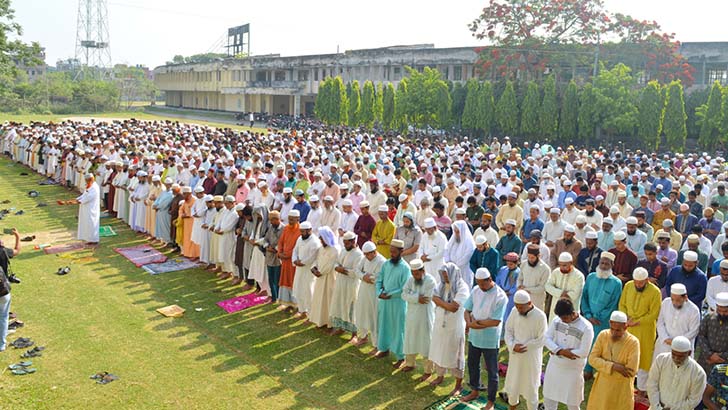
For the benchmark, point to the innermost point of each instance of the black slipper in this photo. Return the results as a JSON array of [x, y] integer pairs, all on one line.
[[20, 212], [63, 271], [28, 239], [41, 204]]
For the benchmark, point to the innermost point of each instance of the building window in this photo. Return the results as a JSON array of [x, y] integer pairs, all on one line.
[[302, 75], [397, 72], [240, 104], [717, 74], [219, 76], [315, 74], [280, 76], [260, 76], [457, 73]]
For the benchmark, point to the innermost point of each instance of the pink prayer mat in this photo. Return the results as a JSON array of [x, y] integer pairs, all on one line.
[[141, 255], [239, 303], [66, 247]]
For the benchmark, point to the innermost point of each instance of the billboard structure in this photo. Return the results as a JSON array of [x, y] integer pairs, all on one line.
[[238, 40]]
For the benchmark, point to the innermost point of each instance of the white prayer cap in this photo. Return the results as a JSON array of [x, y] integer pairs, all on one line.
[[640, 274], [607, 255], [329, 198], [344, 185], [383, 208], [229, 198], [313, 198], [621, 194], [690, 256], [175, 186], [631, 220], [416, 264], [199, 189], [304, 225], [480, 240], [436, 189], [721, 299], [430, 223], [217, 198], [724, 264], [599, 198], [667, 223], [591, 235], [548, 204], [262, 184], [580, 219], [613, 210], [294, 213], [156, 178], [168, 180], [555, 210], [569, 228], [619, 317], [460, 211], [565, 257], [569, 201], [207, 198], [681, 344], [347, 202], [348, 236], [521, 297], [397, 243], [142, 174], [239, 207], [287, 190], [484, 273], [364, 204], [678, 289], [620, 236], [186, 190], [511, 222], [608, 220], [368, 246], [402, 197], [693, 238], [664, 201]]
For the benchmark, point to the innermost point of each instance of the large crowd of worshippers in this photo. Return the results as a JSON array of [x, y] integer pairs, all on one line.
[[613, 262]]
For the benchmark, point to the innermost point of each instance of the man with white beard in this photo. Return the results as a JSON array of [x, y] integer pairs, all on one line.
[[676, 381], [678, 317], [304, 256], [524, 337], [330, 215], [432, 247], [348, 218], [365, 307], [346, 287], [286, 204], [417, 292], [568, 339], [314, 215]]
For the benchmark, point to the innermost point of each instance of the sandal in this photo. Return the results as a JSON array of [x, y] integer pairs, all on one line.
[[34, 352], [22, 342], [99, 376], [19, 366], [107, 379], [21, 212], [7, 201], [23, 371], [63, 271], [41, 204], [28, 239]]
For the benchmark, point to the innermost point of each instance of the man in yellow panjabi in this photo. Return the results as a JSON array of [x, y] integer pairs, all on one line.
[[641, 301], [615, 356], [383, 232]]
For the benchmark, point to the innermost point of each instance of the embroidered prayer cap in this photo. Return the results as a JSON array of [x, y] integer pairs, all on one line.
[[681, 344], [294, 213], [565, 257], [416, 264], [521, 297], [368, 246], [640, 274], [397, 243], [607, 255], [482, 273], [618, 317], [690, 256], [721, 299], [304, 225], [348, 236], [678, 289]]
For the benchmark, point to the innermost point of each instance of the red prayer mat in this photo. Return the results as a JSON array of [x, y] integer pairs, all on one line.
[[239, 303]]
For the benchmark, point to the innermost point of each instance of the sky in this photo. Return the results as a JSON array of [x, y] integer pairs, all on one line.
[[152, 32]]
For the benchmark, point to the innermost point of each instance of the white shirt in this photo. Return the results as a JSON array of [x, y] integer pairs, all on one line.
[[715, 286], [673, 322], [677, 388]]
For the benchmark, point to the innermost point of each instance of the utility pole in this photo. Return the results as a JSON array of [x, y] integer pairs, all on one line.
[[92, 40]]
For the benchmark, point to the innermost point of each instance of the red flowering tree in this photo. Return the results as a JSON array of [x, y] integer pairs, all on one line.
[[524, 37]]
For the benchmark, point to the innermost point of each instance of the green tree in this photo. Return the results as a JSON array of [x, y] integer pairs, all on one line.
[[692, 101], [507, 111], [133, 85], [675, 117], [388, 108], [322, 108], [378, 103], [650, 115], [549, 109], [458, 95], [400, 105], [710, 118], [427, 101], [569, 112], [354, 104], [530, 108], [486, 108], [470, 120], [340, 102], [368, 101], [587, 113], [616, 112]]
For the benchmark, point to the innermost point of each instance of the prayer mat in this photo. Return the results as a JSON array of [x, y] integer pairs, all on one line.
[[239, 303], [454, 403], [66, 247], [106, 231], [171, 265], [171, 311], [141, 255]]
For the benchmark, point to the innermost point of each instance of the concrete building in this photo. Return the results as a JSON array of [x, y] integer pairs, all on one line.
[[288, 85]]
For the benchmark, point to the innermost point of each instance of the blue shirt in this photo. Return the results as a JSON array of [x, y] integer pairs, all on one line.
[[562, 197], [303, 208], [492, 303], [530, 225], [696, 283]]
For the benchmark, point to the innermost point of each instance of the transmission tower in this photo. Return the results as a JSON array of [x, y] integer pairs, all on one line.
[[92, 39]]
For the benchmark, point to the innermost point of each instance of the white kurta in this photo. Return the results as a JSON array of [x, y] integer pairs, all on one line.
[[226, 246], [323, 287], [365, 308], [715, 286], [433, 246], [215, 238], [564, 378], [524, 369], [258, 269], [533, 280], [306, 251], [139, 209], [199, 210], [674, 322], [205, 237], [89, 214], [420, 317], [673, 387], [347, 285], [447, 348], [572, 283]]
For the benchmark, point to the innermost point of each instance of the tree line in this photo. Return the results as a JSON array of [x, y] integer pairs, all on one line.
[[613, 106]]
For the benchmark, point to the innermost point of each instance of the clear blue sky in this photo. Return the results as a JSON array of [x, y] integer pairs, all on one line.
[[151, 32]]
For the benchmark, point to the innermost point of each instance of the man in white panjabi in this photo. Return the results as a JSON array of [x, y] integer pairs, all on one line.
[[89, 212], [226, 231], [323, 270], [417, 293], [204, 235], [330, 215], [678, 317], [447, 347], [432, 248], [304, 256], [199, 210], [365, 307], [524, 337], [565, 282], [534, 275], [138, 207], [346, 287], [568, 339], [676, 381], [348, 218]]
